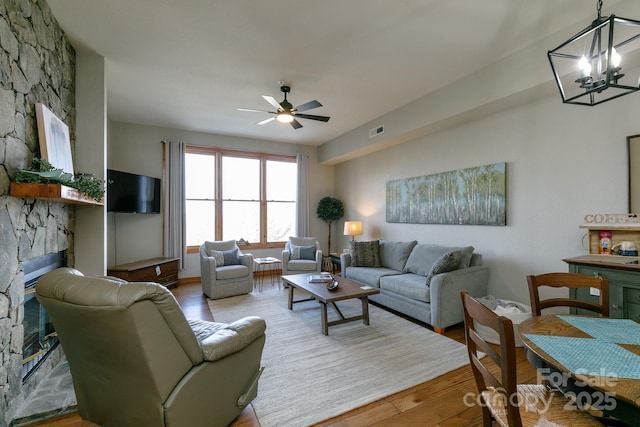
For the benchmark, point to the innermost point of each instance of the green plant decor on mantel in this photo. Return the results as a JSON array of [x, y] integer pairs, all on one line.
[[329, 209], [42, 172]]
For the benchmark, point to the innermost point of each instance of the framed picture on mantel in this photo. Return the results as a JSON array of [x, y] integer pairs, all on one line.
[[53, 135]]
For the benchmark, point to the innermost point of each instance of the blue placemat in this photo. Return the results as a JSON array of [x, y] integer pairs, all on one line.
[[590, 356], [620, 331]]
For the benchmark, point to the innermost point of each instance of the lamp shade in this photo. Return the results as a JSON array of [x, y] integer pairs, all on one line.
[[352, 228], [599, 63]]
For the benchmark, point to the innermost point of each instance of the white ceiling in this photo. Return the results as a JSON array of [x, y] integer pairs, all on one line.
[[188, 64]]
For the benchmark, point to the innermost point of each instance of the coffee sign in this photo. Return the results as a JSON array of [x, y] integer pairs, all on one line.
[[625, 218]]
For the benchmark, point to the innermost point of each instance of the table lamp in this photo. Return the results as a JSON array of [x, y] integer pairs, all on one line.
[[352, 228]]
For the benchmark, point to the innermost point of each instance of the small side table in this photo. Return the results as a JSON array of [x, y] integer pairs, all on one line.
[[273, 265]]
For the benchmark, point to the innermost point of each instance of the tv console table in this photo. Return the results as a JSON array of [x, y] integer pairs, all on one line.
[[160, 270]]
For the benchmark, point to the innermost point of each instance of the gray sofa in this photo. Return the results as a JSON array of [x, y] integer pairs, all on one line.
[[422, 281]]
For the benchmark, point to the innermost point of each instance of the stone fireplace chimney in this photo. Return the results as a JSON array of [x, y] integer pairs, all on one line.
[[37, 64]]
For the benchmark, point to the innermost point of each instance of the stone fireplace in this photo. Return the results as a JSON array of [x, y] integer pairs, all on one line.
[[40, 338], [29, 230], [37, 64]]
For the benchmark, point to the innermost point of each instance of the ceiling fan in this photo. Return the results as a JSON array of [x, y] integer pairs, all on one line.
[[285, 112]]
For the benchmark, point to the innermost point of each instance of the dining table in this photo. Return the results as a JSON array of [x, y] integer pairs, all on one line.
[[593, 360]]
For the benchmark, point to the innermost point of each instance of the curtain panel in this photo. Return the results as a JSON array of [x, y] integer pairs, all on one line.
[[174, 202], [302, 204]]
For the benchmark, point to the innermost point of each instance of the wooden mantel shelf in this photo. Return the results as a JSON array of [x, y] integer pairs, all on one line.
[[52, 192]]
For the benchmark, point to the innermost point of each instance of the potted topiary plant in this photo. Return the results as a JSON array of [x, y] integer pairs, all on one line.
[[329, 209]]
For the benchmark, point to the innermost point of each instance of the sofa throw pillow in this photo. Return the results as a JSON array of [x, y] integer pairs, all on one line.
[[465, 258], [223, 258], [231, 257], [447, 262], [217, 255], [424, 255], [302, 252], [365, 254]]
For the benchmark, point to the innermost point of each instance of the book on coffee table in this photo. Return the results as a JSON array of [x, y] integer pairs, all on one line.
[[267, 259], [320, 278]]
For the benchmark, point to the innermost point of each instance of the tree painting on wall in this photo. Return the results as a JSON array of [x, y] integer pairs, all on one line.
[[471, 196]]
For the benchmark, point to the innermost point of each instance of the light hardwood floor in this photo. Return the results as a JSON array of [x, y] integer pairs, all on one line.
[[439, 402]]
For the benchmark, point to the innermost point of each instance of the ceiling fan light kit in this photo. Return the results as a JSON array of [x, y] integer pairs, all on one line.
[[285, 112], [284, 117], [588, 68]]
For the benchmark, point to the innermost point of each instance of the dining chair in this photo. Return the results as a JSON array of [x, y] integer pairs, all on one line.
[[502, 399], [571, 281]]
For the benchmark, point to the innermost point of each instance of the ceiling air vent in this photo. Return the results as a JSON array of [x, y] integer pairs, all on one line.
[[376, 131]]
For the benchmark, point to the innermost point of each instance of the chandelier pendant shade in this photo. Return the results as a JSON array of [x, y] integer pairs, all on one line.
[[600, 63]]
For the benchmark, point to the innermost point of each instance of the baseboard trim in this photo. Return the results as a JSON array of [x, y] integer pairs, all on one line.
[[188, 280], [257, 274]]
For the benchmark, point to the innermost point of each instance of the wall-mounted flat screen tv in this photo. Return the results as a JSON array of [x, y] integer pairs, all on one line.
[[132, 193]]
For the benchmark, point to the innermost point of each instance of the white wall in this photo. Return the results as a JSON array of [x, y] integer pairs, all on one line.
[[91, 157], [138, 149], [133, 237], [562, 162]]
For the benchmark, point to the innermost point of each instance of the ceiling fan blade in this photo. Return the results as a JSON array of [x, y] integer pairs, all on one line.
[[308, 106], [271, 100], [266, 121], [312, 117], [255, 111], [296, 124]]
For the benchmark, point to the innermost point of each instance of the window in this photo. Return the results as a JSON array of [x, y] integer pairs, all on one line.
[[200, 195], [238, 195], [282, 182]]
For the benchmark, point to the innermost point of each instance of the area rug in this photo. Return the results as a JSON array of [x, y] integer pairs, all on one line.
[[310, 377]]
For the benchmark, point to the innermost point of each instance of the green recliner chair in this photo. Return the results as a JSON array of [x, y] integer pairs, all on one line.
[[137, 361]]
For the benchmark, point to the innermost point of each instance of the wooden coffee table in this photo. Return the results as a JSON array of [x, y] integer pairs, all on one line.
[[348, 289]]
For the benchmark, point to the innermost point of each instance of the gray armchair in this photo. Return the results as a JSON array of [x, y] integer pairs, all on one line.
[[136, 360], [298, 257], [222, 273]]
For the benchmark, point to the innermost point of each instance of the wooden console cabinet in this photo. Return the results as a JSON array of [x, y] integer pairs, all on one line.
[[624, 282], [160, 270]]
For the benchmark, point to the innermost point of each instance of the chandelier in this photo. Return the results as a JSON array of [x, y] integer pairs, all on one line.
[[600, 63]]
